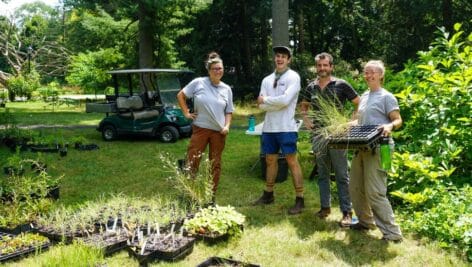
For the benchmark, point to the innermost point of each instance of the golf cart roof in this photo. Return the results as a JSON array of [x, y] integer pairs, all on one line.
[[128, 71]]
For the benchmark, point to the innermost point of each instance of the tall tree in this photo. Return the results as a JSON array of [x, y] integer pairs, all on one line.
[[280, 22]]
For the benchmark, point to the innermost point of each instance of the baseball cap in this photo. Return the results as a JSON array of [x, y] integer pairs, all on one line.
[[282, 49]]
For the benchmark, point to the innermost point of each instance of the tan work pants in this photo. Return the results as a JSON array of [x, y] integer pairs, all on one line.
[[368, 190], [199, 140]]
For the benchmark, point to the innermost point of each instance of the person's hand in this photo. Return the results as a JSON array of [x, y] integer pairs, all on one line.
[[308, 123], [191, 116], [225, 130], [386, 129], [260, 100]]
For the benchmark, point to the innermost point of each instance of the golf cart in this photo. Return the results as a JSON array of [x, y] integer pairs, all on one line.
[[144, 102]]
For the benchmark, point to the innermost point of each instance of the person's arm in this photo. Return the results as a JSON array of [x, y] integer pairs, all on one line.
[[284, 99], [304, 108], [228, 118], [395, 123], [355, 101], [262, 95], [181, 98]]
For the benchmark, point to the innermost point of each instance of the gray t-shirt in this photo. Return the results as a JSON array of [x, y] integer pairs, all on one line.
[[211, 103], [375, 106]]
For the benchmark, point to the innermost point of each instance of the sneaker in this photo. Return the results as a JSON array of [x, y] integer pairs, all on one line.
[[346, 221], [323, 213], [359, 227]]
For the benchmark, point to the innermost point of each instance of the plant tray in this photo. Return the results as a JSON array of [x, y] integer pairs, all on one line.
[[217, 261], [22, 228], [44, 148], [23, 251], [152, 253], [54, 236], [109, 244]]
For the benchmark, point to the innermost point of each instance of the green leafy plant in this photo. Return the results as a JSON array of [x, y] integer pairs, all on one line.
[[11, 244], [216, 221]]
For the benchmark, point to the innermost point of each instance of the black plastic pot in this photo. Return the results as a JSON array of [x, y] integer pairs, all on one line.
[[217, 261], [282, 170], [173, 254], [63, 151], [22, 228]]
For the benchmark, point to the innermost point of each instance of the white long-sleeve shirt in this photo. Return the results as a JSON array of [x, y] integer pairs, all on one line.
[[280, 102]]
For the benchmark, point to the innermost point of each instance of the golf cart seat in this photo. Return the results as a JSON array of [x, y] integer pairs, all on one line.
[[133, 107]]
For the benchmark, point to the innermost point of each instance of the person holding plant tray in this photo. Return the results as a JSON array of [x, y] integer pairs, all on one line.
[[368, 186], [327, 96], [213, 108], [278, 97]]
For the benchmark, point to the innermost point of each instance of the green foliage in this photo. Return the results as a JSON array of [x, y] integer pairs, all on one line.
[[89, 69], [22, 85], [216, 220], [50, 92], [432, 165]]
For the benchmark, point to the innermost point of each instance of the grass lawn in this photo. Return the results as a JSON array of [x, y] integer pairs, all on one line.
[[271, 237]]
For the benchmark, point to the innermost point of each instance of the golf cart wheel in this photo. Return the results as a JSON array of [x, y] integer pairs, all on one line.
[[108, 132], [168, 134]]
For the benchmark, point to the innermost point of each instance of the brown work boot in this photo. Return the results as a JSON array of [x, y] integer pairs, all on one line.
[[266, 198], [323, 213], [346, 221], [299, 205]]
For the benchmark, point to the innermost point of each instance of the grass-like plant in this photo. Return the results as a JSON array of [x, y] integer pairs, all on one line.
[[329, 120], [196, 189]]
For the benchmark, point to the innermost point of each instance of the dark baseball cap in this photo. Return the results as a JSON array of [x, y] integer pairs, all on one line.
[[283, 50]]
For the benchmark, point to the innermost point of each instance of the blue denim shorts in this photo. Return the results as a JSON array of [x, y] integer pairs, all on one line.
[[275, 143]]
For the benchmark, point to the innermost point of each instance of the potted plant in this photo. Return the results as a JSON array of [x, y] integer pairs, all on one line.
[[215, 223], [14, 164]]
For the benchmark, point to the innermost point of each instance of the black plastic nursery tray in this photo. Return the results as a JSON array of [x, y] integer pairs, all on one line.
[[23, 252], [217, 261], [22, 228], [109, 244], [150, 254], [356, 137]]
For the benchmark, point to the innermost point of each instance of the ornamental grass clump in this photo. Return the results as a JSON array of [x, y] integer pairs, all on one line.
[[329, 120], [196, 189]]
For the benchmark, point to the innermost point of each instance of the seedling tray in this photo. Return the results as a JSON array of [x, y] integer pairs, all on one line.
[[109, 244], [356, 137], [163, 254], [217, 261], [22, 252], [22, 228]]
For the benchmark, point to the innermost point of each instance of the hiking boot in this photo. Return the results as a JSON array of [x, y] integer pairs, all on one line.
[[359, 227], [299, 205], [323, 213], [266, 198], [389, 240], [346, 221]]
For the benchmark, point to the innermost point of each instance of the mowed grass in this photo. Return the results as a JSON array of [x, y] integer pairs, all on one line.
[[271, 237]]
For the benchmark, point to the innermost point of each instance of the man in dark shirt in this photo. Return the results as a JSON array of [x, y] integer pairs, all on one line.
[[338, 92]]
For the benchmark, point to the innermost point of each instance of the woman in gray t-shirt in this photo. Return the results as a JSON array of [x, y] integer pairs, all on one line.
[[368, 185], [213, 108]]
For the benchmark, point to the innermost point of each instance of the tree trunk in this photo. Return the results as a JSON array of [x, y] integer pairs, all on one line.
[[246, 49], [146, 51], [447, 15], [280, 22]]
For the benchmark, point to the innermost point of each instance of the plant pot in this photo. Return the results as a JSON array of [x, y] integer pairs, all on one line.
[[21, 251], [53, 192], [217, 261], [10, 170], [63, 151]]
